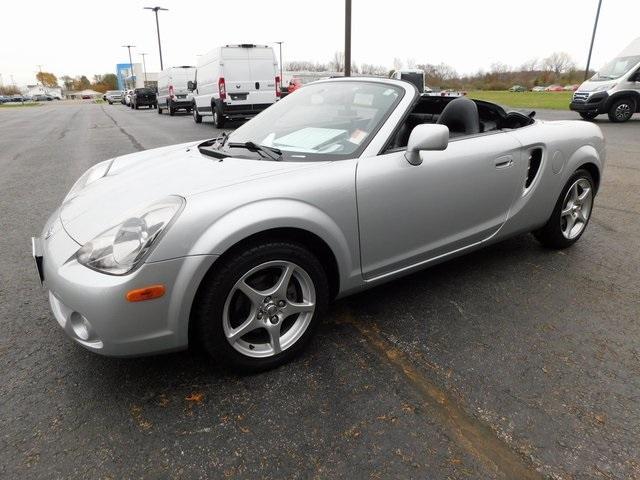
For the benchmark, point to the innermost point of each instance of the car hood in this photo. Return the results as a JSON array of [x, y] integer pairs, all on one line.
[[139, 179], [592, 86]]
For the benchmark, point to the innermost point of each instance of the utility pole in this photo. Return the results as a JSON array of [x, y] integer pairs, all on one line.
[[144, 66], [129, 47], [347, 38], [281, 79], [156, 9], [593, 37]]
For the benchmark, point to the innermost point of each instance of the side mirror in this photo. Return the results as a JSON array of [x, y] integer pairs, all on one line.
[[426, 137], [191, 85]]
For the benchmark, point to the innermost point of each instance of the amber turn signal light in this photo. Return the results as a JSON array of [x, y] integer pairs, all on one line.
[[146, 293]]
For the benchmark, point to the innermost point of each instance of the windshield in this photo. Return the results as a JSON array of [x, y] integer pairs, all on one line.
[[322, 121], [616, 68]]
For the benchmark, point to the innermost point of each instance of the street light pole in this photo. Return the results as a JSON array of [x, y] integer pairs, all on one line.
[[144, 66], [129, 47], [347, 38], [156, 9], [281, 79], [593, 37]]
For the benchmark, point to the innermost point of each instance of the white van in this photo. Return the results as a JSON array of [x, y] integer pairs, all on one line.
[[614, 90], [173, 89], [235, 82]]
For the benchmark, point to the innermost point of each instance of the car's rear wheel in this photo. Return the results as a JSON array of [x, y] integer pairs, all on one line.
[[622, 110], [218, 118], [571, 214], [588, 115], [196, 116], [260, 308]]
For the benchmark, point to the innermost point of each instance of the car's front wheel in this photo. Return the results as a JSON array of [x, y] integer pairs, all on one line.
[[571, 214], [260, 308], [622, 110]]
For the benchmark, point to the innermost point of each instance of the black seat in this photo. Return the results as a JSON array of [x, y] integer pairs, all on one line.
[[461, 116]]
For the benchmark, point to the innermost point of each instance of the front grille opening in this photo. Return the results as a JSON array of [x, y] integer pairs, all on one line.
[[535, 159]]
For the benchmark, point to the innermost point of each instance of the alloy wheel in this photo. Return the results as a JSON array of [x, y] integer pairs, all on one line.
[[269, 309], [623, 111], [576, 208]]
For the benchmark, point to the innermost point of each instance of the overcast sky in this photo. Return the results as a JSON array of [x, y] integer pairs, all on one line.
[[77, 38]]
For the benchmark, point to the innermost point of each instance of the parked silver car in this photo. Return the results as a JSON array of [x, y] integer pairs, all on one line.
[[113, 96], [240, 242]]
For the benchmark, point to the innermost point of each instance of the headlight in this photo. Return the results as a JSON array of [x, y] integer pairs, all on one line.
[[123, 248], [94, 173]]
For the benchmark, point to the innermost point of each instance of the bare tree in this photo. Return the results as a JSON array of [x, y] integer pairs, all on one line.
[[337, 63], [558, 62], [411, 63], [499, 67], [397, 64], [530, 65], [369, 69]]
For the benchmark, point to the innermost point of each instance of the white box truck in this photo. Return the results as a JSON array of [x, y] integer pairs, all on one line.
[[173, 88], [235, 82], [614, 90]]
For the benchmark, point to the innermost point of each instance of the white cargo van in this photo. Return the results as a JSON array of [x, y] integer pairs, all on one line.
[[235, 82], [614, 90], [173, 89]]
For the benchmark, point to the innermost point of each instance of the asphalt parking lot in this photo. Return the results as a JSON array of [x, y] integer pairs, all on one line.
[[511, 362]]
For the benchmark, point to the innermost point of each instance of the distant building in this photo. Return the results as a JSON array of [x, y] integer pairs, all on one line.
[[42, 90], [136, 79]]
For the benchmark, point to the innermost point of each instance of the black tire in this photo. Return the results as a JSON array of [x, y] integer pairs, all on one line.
[[136, 106], [218, 118], [588, 115], [209, 304], [622, 110], [550, 235], [196, 116], [110, 103]]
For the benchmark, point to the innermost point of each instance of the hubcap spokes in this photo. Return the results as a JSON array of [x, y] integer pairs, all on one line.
[[576, 209], [622, 111], [268, 309]]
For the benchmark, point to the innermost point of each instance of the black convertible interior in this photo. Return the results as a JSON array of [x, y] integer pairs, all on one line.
[[462, 115]]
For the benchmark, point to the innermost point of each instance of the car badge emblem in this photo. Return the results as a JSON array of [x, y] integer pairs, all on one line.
[[237, 85]]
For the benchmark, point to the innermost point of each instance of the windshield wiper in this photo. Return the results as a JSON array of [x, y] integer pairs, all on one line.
[[271, 152], [205, 148]]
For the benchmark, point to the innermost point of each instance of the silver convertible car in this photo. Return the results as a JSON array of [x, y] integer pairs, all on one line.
[[239, 243]]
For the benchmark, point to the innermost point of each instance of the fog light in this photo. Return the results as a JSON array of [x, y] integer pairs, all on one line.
[[80, 326]]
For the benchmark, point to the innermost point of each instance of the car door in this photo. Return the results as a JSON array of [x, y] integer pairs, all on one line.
[[410, 214]]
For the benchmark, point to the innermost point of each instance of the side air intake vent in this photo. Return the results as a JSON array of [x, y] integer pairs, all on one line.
[[535, 158]]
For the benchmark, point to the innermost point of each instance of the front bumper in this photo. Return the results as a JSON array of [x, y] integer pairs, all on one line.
[[596, 103], [92, 308]]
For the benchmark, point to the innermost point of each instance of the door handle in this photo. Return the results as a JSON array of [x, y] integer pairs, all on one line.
[[504, 162]]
